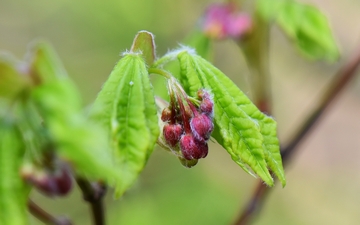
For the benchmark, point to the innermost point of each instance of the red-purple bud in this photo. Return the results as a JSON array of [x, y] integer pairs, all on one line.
[[172, 133], [206, 106], [64, 182], [224, 21], [202, 93], [201, 127], [166, 114], [49, 183], [192, 148], [46, 184]]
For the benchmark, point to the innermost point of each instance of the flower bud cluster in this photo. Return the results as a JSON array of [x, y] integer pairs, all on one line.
[[188, 124]]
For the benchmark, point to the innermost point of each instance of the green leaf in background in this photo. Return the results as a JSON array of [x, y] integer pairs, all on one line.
[[144, 44], [45, 65], [11, 81], [247, 134], [13, 191], [306, 25], [126, 107], [77, 139], [269, 9]]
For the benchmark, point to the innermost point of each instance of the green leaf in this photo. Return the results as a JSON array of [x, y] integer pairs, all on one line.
[[201, 43], [269, 9], [11, 81], [77, 140], [45, 65], [247, 134], [305, 25], [13, 191], [197, 40], [126, 108], [144, 44]]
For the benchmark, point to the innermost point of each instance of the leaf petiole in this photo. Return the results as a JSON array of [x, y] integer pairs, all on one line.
[[160, 72]]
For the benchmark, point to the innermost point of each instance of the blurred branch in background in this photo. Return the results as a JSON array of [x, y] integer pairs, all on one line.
[[339, 82], [93, 193], [45, 217]]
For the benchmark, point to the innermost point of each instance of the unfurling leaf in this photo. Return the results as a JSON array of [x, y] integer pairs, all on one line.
[[126, 108], [247, 134], [306, 25], [77, 140], [11, 81], [13, 191], [45, 65], [144, 44], [203, 46]]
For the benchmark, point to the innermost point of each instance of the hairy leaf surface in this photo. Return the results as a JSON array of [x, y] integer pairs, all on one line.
[[13, 192], [247, 134], [126, 107], [144, 44], [203, 46]]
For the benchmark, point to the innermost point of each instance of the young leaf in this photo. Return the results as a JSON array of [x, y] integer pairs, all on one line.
[[307, 26], [11, 81], [268, 9], [247, 134], [45, 65], [144, 43], [13, 192], [77, 140], [197, 40], [127, 110]]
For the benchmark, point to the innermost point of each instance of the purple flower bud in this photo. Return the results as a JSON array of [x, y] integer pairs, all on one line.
[[201, 127], [206, 106], [166, 114], [45, 183], [202, 94], [192, 148], [52, 184], [172, 133], [224, 21], [63, 181]]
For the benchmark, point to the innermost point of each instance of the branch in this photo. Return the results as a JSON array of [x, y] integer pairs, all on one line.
[[339, 82], [93, 194], [45, 217]]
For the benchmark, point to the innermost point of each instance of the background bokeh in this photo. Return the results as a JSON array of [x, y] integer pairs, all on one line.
[[323, 177]]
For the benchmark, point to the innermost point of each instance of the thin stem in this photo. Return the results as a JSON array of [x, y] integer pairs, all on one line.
[[338, 83], [45, 217], [160, 72], [256, 50], [93, 194]]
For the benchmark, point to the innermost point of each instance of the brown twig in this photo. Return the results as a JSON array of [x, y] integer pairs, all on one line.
[[341, 79], [93, 193], [45, 217]]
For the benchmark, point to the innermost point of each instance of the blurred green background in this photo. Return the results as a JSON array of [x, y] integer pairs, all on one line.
[[323, 178]]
